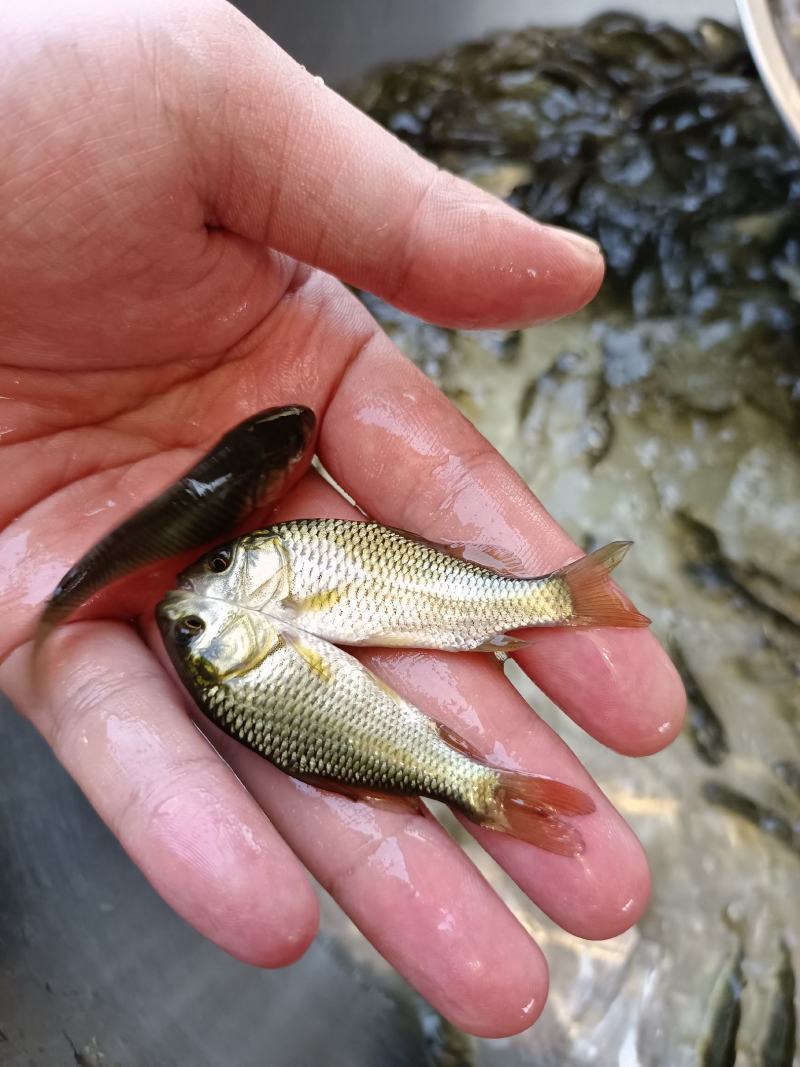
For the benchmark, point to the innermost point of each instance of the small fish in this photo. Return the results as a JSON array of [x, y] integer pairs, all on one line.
[[706, 728], [768, 820], [779, 1043], [252, 465], [319, 715], [718, 1047], [360, 583]]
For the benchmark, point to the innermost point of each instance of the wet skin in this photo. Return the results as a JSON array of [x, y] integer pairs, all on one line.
[[152, 215]]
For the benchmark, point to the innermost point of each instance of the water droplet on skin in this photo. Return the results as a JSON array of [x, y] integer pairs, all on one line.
[[249, 839], [390, 860], [100, 507], [447, 924]]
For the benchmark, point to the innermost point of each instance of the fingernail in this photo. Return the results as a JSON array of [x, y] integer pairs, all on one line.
[[584, 244]]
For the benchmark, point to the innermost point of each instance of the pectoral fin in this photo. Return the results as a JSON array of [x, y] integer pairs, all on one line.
[[313, 658], [502, 643], [456, 741]]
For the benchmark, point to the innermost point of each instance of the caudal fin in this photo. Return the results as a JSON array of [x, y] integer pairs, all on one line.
[[528, 806], [595, 600]]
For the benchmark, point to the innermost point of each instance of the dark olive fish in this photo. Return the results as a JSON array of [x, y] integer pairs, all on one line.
[[718, 1049], [252, 465], [779, 1043]]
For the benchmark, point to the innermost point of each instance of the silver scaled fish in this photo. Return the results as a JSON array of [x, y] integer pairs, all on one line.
[[360, 583], [319, 715]]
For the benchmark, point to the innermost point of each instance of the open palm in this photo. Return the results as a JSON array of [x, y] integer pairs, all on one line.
[[175, 197]]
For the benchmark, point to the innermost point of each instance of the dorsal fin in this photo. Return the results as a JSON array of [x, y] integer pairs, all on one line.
[[505, 563]]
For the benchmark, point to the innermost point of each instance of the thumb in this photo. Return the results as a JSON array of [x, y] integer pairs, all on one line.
[[286, 161]]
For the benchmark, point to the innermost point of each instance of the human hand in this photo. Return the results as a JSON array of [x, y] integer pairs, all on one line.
[[166, 173]]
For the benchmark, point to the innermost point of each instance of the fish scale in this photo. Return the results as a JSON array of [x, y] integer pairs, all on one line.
[[291, 715]]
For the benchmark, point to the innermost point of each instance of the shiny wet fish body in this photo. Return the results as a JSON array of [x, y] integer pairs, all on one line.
[[315, 712], [360, 583]]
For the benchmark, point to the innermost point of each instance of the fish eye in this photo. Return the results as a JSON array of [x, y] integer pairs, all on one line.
[[190, 626], [220, 561]]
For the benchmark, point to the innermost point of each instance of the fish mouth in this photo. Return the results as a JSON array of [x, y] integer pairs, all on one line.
[[172, 608], [183, 583], [282, 447], [308, 420]]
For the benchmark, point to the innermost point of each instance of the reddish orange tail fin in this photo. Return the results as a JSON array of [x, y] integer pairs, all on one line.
[[527, 806], [595, 600]]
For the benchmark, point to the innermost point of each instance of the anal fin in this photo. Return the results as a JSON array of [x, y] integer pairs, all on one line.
[[497, 559], [384, 801], [457, 742]]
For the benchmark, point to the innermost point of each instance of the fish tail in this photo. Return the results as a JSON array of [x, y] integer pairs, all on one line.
[[528, 806], [78, 584], [43, 630], [595, 600]]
